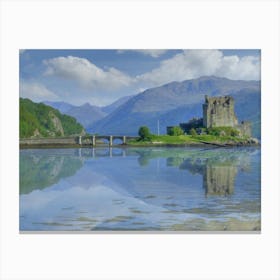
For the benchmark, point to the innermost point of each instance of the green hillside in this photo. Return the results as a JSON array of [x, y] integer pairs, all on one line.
[[40, 120]]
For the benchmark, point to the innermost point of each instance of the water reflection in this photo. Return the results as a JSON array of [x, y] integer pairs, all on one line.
[[218, 167], [140, 189], [41, 169], [219, 180], [218, 174]]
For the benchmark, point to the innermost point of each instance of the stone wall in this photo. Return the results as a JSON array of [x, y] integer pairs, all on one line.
[[50, 141], [245, 128], [194, 123], [219, 111]]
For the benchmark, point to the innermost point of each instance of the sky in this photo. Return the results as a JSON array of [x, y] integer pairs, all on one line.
[[100, 77]]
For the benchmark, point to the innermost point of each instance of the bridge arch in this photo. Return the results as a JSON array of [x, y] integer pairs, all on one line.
[[107, 139]]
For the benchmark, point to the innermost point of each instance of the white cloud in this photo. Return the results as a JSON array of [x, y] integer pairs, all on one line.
[[188, 64], [36, 91], [152, 52], [196, 63], [86, 73], [245, 68], [21, 51], [84, 81]]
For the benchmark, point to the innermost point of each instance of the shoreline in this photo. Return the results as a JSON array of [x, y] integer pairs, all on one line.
[[134, 141], [148, 145]]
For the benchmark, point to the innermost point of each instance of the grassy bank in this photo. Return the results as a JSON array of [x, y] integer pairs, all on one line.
[[192, 140]]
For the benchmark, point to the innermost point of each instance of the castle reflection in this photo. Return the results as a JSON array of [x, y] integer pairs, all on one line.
[[218, 167], [219, 179], [218, 173]]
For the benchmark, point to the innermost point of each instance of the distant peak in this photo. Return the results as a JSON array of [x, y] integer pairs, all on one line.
[[87, 104], [211, 77]]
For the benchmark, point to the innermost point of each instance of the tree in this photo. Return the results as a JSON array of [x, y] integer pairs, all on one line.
[[144, 133], [193, 132], [175, 131]]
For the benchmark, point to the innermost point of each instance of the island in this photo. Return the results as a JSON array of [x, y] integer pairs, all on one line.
[[219, 126]]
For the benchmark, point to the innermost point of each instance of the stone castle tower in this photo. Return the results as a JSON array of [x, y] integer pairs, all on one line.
[[219, 111]]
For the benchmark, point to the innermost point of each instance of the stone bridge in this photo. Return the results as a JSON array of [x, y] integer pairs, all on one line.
[[88, 140], [93, 139]]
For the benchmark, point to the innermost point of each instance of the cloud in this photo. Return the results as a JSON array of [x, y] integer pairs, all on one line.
[[245, 68], [196, 63], [188, 64], [21, 51], [86, 73], [151, 52], [36, 91], [78, 80]]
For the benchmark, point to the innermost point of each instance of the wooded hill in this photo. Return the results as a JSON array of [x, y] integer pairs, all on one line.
[[40, 120]]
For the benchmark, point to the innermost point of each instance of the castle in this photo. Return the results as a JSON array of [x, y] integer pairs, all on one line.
[[217, 112]]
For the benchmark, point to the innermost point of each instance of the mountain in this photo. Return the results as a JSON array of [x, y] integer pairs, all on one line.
[[86, 114], [178, 102], [62, 107], [38, 119], [110, 108]]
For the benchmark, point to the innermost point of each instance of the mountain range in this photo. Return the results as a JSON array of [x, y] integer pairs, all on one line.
[[87, 114], [167, 105]]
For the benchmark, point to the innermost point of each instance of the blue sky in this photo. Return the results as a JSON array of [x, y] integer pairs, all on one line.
[[102, 76]]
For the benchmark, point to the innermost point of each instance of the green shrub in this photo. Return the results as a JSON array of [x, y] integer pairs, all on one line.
[[223, 131], [193, 132], [175, 131], [203, 130], [144, 133]]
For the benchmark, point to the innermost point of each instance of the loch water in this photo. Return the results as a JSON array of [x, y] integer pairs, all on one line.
[[140, 189]]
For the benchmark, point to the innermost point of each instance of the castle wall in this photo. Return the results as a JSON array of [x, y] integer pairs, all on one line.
[[194, 123], [245, 129], [219, 111]]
